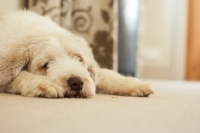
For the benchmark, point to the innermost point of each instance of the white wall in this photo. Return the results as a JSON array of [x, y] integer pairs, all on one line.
[[162, 39], [11, 5]]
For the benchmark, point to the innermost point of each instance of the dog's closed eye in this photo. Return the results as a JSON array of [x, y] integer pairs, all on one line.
[[45, 66], [78, 57], [43, 69]]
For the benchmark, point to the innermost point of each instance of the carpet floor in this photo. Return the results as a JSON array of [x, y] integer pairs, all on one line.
[[174, 108]]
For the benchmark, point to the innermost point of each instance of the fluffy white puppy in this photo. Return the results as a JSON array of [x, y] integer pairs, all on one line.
[[39, 58]]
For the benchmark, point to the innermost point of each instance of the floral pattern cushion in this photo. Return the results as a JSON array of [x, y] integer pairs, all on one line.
[[95, 20]]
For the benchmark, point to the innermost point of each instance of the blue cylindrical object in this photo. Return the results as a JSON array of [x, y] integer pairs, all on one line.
[[128, 25]]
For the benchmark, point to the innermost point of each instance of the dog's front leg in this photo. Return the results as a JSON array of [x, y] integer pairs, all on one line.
[[28, 84], [111, 82]]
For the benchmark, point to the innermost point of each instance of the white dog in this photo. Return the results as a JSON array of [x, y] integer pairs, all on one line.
[[39, 58]]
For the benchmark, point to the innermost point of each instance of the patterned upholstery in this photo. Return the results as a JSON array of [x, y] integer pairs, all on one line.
[[95, 20]]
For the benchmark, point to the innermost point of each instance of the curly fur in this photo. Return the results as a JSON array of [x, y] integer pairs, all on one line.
[[37, 58]]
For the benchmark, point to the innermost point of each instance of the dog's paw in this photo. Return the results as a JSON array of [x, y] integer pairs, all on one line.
[[48, 90], [44, 88], [137, 88], [143, 89]]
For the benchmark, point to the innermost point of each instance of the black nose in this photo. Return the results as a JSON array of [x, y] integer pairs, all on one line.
[[75, 83]]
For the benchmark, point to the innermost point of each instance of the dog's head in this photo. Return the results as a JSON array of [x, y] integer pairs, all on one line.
[[64, 58]]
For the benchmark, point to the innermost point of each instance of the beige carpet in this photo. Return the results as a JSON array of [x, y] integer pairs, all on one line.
[[174, 108]]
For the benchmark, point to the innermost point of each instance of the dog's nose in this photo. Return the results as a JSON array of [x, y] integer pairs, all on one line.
[[75, 83]]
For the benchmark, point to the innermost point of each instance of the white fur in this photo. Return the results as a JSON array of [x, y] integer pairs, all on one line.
[[28, 41]]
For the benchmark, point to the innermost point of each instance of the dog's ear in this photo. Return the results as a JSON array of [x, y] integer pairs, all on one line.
[[12, 64]]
